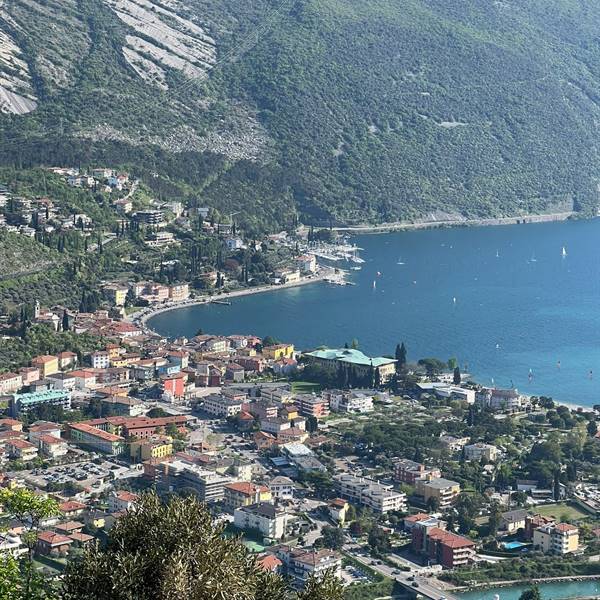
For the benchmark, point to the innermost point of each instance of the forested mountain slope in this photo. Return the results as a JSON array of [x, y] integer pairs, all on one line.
[[339, 111]]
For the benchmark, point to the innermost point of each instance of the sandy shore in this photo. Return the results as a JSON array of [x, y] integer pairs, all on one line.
[[143, 317], [406, 226]]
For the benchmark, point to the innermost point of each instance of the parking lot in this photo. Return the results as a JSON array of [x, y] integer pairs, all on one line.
[[88, 474]]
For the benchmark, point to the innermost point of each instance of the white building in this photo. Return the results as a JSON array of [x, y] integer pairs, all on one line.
[[368, 492], [350, 402], [480, 450], [100, 359], [219, 406], [282, 488], [264, 517]]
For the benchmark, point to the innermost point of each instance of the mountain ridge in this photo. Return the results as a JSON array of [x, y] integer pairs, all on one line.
[[324, 111]]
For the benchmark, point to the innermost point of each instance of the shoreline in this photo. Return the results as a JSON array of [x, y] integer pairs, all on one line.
[[487, 222], [142, 318], [490, 585]]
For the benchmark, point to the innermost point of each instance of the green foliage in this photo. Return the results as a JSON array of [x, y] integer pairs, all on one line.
[[41, 339], [333, 537], [173, 551], [531, 594], [369, 113]]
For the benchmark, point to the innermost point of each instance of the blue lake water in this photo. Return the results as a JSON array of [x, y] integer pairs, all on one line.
[[503, 300], [550, 591]]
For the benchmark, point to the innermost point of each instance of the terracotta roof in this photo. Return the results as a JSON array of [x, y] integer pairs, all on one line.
[[127, 496], [70, 506], [81, 537], [54, 539], [269, 562], [247, 488], [564, 527], [452, 540], [416, 518], [69, 526]]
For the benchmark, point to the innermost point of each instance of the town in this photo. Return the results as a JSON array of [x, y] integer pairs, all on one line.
[[404, 478]]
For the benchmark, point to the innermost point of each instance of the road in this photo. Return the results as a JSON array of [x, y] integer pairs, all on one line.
[[425, 589]]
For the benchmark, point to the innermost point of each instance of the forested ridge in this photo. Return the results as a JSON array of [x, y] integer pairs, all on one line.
[[330, 111]]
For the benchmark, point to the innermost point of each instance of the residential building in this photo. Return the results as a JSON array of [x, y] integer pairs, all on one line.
[[52, 446], [172, 476], [368, 492], [116, 293], [10, 425], [311, 405], [559, 538], [220, 406], [268, 519], [349, 402], [439, 492], [408, 471], [155, 447], [10, 382], [100, 359], [67, 360], [245, 493], [513, 520], [302, 564], [29, 374], [307, 263], [505, 400], [121, 501], [51, 543], [47, 364], [443, 547], [337, 508], [282, 488], [480, 450], [21, 449]]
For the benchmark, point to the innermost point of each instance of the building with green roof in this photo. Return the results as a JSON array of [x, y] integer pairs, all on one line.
[[358, 365]]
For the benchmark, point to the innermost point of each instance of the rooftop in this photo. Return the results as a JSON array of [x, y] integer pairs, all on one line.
[[352, 356]]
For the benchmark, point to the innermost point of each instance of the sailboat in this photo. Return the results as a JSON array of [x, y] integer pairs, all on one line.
[[497, 254], [374, 284], [533, 258], [400, 261], [564, 252]]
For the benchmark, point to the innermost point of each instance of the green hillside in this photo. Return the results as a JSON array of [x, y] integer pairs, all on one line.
[[342, 111]]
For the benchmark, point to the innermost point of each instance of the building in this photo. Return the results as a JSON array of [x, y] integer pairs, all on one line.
[[513, 520], [358, 367], [368, 492], [100, 359], [245, 493], [221, 407], [92, 438], [47, 364], [22, 403], [505, 400], [439, 492], [278, 351], [301, 564], [269, 520], [10, 382], [480, 450], [446, 390], [559, 538], [155, 447], [121, 501], [21, 449], [349, 402], [408, 471], [51, 543], [337, 509], [116, 293], [307, 263], [208, 485], [442, 547], [52, 446], [311, 405], [282, 488], [10, 425]]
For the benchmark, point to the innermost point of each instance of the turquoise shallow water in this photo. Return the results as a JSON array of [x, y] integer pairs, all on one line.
[[503, 300], [550, 591]]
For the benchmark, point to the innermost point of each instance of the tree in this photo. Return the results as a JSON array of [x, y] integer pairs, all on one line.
[[457, 377], [531, 594], [157, 412], [400, 357], [172, 551], [354, 344], [269, 340], [30, 510], [592, 428], [65, 321], [379, 540], [333, 537]]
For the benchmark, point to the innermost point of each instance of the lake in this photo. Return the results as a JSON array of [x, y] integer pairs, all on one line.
[[503, 300], [550, 591]]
